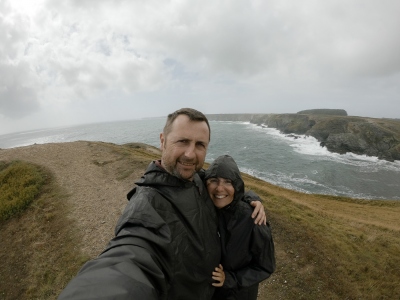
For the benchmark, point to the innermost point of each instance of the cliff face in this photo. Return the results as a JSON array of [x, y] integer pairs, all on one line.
[[340, 134]]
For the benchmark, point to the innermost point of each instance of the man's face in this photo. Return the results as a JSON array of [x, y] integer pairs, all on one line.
[[185, 147]]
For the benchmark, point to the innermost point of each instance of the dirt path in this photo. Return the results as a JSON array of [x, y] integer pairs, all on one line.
[[97, 198]]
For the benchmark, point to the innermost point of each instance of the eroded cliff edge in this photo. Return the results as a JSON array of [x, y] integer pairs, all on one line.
[[340, 134]]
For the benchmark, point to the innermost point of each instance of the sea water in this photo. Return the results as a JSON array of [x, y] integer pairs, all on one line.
[[291, 161]]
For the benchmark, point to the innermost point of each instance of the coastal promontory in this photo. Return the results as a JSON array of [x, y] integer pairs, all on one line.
[[334, 129]]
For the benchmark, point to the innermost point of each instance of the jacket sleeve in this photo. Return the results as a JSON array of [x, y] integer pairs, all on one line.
[[131, 266], [263, 261], [250, 196]]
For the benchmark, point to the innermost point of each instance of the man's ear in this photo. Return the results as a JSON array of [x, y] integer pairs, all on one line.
[[162, 141]]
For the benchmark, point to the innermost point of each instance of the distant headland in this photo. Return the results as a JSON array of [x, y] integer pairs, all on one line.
[[334, 129]]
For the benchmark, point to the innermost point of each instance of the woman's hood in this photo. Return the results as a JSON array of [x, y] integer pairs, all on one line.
[[225, 167]]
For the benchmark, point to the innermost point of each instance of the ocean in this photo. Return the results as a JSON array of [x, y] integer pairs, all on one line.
[[290, 161]]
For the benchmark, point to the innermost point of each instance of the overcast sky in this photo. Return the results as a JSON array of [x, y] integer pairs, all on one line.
[[81, 61]]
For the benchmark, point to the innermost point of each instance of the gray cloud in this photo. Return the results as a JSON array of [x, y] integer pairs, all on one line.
[[18, 97], [277, 56], [18, 101]]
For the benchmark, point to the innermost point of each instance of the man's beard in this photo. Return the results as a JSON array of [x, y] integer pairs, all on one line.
[[174, 170], [176, 173]]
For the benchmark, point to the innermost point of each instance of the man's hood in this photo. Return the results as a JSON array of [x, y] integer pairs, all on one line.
[[156, 175]]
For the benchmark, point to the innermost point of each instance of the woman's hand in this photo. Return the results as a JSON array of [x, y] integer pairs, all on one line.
[[259, 212], [218, 275]]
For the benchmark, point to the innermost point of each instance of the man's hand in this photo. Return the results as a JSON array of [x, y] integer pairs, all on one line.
[[258, 213]]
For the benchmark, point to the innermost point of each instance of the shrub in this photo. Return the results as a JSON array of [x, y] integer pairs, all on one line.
[[20, 183]]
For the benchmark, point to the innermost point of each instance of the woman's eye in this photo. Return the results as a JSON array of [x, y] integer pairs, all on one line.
[[215, 181]]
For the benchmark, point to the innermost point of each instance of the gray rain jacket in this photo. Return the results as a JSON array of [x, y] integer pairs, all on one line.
[[166, 245], [248, 254]]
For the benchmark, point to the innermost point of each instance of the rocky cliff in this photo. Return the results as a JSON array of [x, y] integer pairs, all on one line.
[[326, 112], [340, 134]]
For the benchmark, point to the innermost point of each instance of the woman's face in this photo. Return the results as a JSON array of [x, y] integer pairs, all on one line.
[[221, 191]]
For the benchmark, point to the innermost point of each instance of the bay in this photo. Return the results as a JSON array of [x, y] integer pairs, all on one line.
[[294, 162]]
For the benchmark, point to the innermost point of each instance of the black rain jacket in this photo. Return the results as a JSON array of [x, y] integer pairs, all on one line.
[[166, 245], [248, 255]]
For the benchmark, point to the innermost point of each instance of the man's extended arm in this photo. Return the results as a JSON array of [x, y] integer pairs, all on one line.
[[118, 273]]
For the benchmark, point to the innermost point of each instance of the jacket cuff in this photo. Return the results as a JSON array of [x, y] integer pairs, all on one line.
[[230, 280], [250, 196]]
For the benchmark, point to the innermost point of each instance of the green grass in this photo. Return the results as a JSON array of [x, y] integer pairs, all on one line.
[[20, 183]]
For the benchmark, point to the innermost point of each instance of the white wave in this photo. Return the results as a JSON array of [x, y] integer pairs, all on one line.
[[308, 145], [366, 163], [17, 145], [232, 122]]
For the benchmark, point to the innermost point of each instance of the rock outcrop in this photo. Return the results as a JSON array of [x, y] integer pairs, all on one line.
[[340, 134], [326, 112]]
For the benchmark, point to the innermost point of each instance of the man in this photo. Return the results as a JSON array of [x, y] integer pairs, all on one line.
[[166, 244]]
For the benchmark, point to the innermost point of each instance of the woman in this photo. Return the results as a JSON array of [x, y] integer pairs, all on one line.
[[248, 255]]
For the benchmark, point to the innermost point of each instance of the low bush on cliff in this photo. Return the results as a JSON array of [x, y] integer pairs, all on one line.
[[20, 183]]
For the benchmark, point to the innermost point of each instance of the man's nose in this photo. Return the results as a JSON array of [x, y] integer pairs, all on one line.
[[190, 151]]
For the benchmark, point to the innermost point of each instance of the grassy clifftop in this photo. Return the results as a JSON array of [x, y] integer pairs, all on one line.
[[327, 112], [326, 247]]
